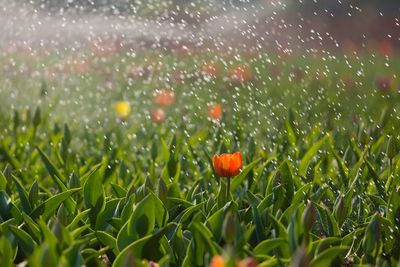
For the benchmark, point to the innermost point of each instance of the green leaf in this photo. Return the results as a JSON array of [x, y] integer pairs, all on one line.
[[32, 226], [327, 256], [107, 240], [77, 219], [266, 246], [236, 181], [7, 253], [3, 181], [23, 195], [48, 207], [372, 237], [67, 134], [377, 181], [34, 193], [202, 242], [25, 241], [147, 247], [307, 158], [198, 137], [291, 135], [7, 209], [93, 196], [282, 177], [149, 213], [53, 171]]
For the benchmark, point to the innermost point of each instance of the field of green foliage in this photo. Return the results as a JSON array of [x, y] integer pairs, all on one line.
[[109, 162]]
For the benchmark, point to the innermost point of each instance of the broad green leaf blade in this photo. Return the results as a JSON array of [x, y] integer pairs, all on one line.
[[308, 157], [47, 208]]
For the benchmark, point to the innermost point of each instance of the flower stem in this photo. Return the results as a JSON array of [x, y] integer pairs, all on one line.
[[228, 189]]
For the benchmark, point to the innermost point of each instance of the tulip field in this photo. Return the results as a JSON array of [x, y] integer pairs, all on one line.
[[176, 159]]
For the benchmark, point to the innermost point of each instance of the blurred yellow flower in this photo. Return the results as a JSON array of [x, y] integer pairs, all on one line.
[[122, 108], [262, 153]]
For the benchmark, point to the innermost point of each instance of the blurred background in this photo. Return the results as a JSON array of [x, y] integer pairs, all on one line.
[[286, 25], [328, 60]]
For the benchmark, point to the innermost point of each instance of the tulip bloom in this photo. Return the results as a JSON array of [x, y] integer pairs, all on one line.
[[122, 108], [215, 112], [164, 98], [227, 165]]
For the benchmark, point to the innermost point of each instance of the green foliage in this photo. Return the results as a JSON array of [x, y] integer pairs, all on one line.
[[124, 196]]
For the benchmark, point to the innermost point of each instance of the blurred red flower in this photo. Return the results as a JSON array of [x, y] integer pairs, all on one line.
[[385, 47], [164, 98], [158, 115], [383, 84]]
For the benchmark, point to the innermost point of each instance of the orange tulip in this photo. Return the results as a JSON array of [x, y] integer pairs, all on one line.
[[227, 165], [158, 115], [215, 112], [164, 98], [217, 261]]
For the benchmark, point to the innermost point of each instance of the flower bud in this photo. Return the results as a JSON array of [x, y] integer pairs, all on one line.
[[391, 150], [340, 211], [229, 228], [309, 216], [37, 118]]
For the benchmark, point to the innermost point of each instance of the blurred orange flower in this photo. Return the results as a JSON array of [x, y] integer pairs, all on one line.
[[215, 111], [217, 261], [227, 165], [158, 115], [122, 108], [164, 98], [240, 73], [210, 70]]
